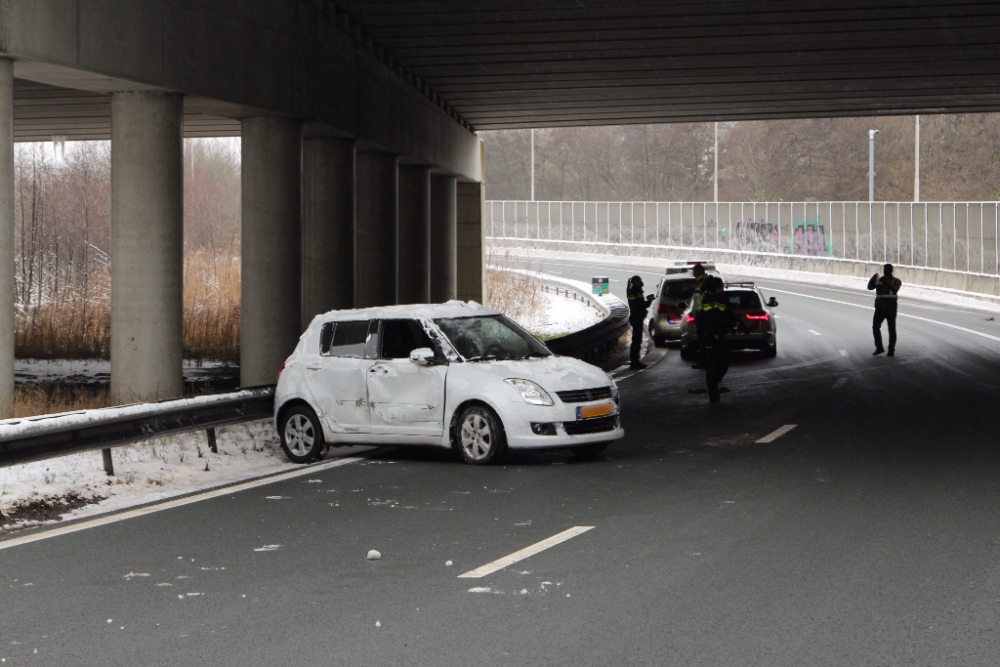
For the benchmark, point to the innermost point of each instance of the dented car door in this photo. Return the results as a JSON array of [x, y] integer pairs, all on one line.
[[405, 398], [337, 377]]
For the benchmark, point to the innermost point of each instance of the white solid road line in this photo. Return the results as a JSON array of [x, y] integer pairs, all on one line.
[[912, 317], [180, 502], [771, 437], [527, 552], [814, 332], [840, 383]]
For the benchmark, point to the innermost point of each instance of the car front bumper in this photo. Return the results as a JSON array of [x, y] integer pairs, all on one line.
[[569, 430]]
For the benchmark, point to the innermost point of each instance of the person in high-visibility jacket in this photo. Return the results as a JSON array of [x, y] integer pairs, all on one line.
[[700, 276], [638, 306], [886, 287], [715, 320]]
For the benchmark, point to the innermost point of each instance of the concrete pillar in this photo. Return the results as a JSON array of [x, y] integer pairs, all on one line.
[[471, 241], [327, 226], [444, 266], [271, 293], [414, 235], [375, 232], [147, 246], [6, 237]]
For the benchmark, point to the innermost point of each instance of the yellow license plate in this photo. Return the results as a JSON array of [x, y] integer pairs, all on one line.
[[599, 410]]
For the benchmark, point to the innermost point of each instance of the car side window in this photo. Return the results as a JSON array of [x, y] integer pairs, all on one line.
[[400, 337], [344, 339]]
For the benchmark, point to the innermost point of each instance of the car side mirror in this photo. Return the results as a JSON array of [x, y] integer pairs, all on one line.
[[422, 356], [682, 306], [772, 302]]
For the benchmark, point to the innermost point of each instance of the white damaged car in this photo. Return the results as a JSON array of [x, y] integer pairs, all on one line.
[[456, 375]]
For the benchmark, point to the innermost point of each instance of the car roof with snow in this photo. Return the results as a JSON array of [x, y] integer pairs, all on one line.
[[409, 311]]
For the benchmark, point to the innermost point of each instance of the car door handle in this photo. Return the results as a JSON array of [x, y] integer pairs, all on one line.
[[314, 368]]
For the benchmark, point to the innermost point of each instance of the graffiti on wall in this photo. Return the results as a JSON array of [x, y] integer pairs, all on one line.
[[809, 238], [756, 236]]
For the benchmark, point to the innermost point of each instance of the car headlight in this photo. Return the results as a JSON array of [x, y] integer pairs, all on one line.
[[530, 392]]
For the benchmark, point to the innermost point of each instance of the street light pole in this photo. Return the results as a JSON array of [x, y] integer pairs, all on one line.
[[715, 178], [871, 164], [532, 164], [916, 162]]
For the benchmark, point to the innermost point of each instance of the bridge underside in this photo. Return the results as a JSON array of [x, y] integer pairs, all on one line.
[[517, 64]]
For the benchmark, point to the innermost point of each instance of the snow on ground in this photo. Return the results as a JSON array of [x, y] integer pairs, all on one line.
[[561, 315], [144, 472]]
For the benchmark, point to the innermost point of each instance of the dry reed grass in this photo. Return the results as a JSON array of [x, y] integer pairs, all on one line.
[[516, 295], [67, 326], [31, 400]]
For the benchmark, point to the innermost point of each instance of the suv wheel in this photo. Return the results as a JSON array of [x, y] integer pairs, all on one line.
[[301, 435], [479, 436]]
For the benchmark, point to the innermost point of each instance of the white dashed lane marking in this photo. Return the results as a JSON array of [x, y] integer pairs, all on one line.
[[527, 552], [840, 383], [771, 437]]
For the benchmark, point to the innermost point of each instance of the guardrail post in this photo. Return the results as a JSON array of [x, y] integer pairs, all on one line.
[[211, 440], [109, 465]]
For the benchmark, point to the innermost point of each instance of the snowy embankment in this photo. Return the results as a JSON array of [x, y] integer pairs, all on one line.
[[561, 315], [76, 486]]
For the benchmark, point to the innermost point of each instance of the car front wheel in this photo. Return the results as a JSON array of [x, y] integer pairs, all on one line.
[[301, 435], [479, 436]]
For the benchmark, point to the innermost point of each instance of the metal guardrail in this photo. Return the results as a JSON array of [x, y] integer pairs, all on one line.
[[49, 436], [589, 343]]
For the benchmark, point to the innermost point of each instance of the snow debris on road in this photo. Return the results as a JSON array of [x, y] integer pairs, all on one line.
[[266, 547], [481, 589], [374, 555], [75, 486], [378, 624], [448, 563], [136, 574]]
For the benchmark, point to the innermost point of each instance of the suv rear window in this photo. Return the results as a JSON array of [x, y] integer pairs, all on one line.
[[743, 300], [678, 289], [343, 339]]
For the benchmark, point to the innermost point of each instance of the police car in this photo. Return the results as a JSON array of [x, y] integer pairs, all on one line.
[[673, 297], [745, 299]]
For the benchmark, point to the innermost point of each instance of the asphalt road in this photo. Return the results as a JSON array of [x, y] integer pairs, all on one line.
[[869, 534]]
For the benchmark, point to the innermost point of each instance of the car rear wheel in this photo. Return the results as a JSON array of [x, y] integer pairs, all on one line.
[[301, 435], [770, 351], [687, 353], [479, 436], [657, 340]]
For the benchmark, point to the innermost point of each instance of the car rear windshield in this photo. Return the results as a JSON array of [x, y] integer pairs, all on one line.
[[490, 337], [678, 289], [743, 300]]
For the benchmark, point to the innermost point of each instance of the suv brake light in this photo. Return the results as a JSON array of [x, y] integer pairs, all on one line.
[[759, 317], [689, 319]]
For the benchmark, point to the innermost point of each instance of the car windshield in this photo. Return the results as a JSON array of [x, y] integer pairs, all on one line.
[[678, 289], [490, 337]]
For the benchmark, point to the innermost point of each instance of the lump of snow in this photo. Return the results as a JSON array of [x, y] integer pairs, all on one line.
[[447, 563], [378, 624], [524, 591], [266, 547], [109, 620], [275, 497], [374, 555], [481, 589]]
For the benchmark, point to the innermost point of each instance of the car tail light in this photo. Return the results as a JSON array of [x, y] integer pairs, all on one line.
[[283, 364], [689, 319], [759, 317]]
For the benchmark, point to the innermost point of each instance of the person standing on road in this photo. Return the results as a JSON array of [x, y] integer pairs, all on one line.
[[716, 319], [886, 287], [700, 276], [638, 306]]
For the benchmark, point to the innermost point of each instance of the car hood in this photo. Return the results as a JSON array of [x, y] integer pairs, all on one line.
[[554, 373]]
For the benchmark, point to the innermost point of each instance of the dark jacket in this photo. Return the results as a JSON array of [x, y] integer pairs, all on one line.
[[716, 318], [885, 288], [638, 305]]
